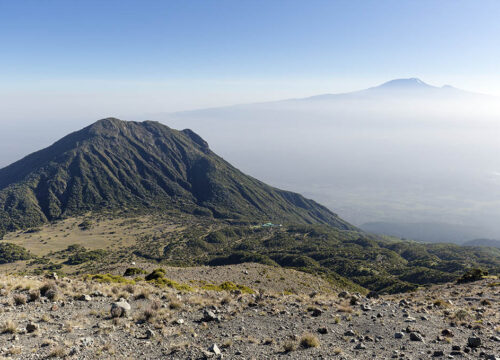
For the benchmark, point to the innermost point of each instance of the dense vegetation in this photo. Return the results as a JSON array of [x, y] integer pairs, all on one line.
[[115, 164], [10, 253], [343, 256]]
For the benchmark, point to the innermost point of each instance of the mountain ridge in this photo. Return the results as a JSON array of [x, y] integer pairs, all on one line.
[[113, 164]]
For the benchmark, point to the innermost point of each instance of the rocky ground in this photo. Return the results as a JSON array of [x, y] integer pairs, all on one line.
[[76, 319]]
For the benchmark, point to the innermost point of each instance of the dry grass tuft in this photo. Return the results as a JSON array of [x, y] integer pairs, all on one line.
[[148, 314], [143, 294], [14, 350], [309, 341], [290, 346], [20, 299], [175, 305], [57, 352], [9, 327], [34, 295], [344, 308]]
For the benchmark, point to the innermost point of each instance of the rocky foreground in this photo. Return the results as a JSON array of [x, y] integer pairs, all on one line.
[[86, 319]]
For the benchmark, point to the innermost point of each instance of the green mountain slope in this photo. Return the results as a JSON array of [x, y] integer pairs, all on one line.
[[116, 164]]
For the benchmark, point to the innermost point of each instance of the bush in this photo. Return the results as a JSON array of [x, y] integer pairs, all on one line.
[[85, 225], [109, 278], [202, 212], [472, 275], [228, 286], [155, 275], [240, 257], [85, 256], [290, 346], [172, 284], [134, 271], [34, 295], [309, 341], [49, 286], [9, 327], [215, 237], [10, 253], [20, 299]]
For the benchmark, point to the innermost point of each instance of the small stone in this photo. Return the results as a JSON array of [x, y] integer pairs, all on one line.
[[447, 333], [150, 334], [344, 294], [360, 346], [416, 337], [52, 276], [209, 315], [438, 353], [84, 298], [180, 321], [120, 308], [474, 342], [31, 327], [316, 312], [399, 335], [349, 333], [323, 330], [215, 349]]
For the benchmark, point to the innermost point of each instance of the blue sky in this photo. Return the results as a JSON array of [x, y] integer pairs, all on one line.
[[148, 56]]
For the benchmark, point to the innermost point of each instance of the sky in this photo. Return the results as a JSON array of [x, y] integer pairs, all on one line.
[[101, 58]]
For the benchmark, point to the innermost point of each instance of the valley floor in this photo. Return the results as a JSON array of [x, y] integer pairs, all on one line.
[[73, 318]]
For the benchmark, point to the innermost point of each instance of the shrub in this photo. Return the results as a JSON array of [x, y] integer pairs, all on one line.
[[51, 294], [472, 275], [20, 299], [228, 286], [134, 271], [10, 253], [9, 327], [109, 279], [172, 284], [143, 294], [149, 314], [175, 305], [155, 275], [309, 341], [34, 295], [290, 346], [240, 257], [461, 315], [85, 225], [47, 287], [215, 237], [85, 256]]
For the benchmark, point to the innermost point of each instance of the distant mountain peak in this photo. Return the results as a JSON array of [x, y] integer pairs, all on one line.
[[410, 83]]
